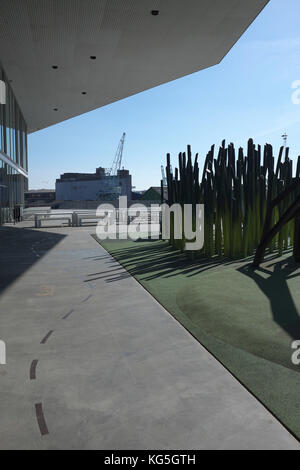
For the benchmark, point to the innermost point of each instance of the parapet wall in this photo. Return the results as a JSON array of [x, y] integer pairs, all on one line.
[[95, 204]]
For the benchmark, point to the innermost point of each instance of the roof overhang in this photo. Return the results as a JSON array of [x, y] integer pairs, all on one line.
[[134, 50]]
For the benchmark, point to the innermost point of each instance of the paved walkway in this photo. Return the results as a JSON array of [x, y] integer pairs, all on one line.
[[94, 362]]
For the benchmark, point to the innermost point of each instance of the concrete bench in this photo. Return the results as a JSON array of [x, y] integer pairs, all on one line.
[[81, 215], [38, 218], [91, 217]]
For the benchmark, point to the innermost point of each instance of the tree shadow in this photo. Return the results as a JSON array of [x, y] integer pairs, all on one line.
[[152, 260], [275, 288], [158, 259]]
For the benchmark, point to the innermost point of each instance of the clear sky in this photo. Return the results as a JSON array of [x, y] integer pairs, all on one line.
[[247, 95]]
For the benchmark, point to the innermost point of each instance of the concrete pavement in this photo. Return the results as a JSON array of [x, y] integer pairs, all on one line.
[[94, 362]]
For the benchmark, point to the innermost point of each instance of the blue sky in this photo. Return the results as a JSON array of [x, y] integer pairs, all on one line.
[[247, 95]]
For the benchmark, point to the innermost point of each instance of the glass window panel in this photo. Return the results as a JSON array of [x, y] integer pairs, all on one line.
[[13, 144]]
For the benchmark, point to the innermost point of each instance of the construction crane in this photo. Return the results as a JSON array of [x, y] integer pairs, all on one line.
[[116, 164], [163, 176]]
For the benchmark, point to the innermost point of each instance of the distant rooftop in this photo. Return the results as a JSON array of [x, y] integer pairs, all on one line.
[[100, 173]]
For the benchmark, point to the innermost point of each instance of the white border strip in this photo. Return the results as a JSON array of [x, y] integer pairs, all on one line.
[[2, 92]]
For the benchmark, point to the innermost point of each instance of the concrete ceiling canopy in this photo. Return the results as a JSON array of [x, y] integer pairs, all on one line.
[[67, 57]]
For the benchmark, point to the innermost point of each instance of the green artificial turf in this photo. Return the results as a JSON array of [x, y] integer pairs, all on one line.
[[247, 319]]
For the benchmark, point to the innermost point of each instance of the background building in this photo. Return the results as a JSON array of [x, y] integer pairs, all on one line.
[[39, 197], [13, 154], [96, 186], [154, 194]]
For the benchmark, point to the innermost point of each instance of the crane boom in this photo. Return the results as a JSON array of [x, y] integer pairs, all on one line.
[[116, 164], [163, 175]]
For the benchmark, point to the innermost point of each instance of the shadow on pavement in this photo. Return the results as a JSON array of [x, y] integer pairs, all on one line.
[[20, 248]]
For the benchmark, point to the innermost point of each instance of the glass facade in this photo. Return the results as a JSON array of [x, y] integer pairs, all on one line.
[[13, 155]]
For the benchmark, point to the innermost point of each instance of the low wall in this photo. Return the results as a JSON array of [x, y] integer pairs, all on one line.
[[95, 204]]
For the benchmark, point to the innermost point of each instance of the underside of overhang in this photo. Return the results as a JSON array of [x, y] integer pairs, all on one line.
[[67, 57]]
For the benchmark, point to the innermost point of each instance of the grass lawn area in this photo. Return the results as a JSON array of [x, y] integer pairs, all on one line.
[[247, 319]]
